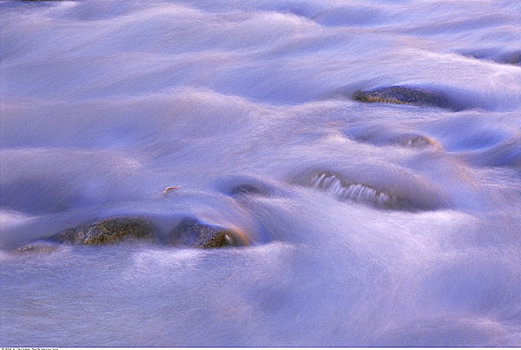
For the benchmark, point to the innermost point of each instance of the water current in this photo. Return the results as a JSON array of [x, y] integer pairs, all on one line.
[[368, 224]]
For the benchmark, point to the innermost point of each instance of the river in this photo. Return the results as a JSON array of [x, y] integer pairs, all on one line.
[[369, 224]]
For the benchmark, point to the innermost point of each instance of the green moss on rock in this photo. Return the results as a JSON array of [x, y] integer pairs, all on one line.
[[106, 231]]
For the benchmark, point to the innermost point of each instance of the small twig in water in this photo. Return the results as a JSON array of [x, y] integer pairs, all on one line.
[[169, 188]]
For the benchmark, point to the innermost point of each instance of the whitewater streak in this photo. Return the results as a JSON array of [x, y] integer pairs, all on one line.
[[366, 153]]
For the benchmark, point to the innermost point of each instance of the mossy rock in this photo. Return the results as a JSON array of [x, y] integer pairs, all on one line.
[[193, 233], [189, 232], [106, 231], [406, 95]]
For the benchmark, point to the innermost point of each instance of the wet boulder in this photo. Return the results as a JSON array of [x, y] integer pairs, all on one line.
[[194, 233], [106, 231], [189, 232], [407, 95]]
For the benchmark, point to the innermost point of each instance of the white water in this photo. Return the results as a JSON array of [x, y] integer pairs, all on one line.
[[106, 103]]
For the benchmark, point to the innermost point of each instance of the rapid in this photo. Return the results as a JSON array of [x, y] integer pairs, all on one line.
[[368, 224]]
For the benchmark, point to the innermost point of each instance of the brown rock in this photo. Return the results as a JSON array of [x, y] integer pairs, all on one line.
[[193, 233]]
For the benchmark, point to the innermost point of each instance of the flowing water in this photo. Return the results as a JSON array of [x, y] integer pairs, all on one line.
[[370, 223]]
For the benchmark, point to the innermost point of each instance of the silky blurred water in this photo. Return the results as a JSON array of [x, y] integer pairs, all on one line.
[[105, 103]]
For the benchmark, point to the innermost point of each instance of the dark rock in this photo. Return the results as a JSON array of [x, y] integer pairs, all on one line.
[[406, 95], [106, 231], [191, 232]]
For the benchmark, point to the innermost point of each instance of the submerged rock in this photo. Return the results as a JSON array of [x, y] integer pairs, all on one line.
[[37, 247], [415, 141], [406, 95], [381, 136], [372, 195], [354, 191], [106, 231], [193, 233], [513, 58], [246, 189], [243, 186]]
